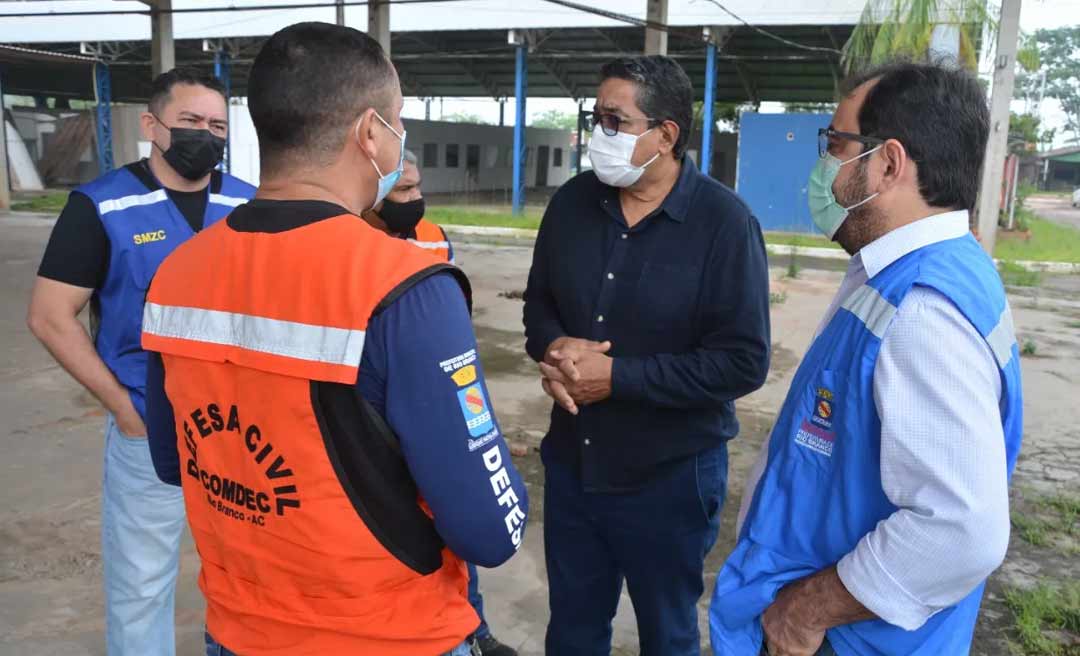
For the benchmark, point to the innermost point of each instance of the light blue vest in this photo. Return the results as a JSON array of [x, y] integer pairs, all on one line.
[[821, 489], [143, 227]]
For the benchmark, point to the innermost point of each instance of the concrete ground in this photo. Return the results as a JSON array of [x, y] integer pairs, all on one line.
[[50, 599]]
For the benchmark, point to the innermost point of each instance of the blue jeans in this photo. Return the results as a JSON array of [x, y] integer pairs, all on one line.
[[477, 601], [655, 538], [142, 520], [214, 649]]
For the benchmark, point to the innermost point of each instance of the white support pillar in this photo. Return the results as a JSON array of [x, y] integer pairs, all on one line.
[[378, 20], [656, 40], [997, 147], [5, 174], [162, 48]]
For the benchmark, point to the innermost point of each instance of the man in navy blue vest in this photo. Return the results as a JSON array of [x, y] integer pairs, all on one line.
[[108, 242], [880, 505]]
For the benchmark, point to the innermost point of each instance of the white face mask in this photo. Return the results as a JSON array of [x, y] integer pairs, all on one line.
[[611, 156]]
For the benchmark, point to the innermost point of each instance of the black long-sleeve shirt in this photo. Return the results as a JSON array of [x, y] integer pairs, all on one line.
[[683, 296]]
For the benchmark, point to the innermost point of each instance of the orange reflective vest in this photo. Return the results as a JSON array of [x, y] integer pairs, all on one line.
[[261, 336], [431, 238]]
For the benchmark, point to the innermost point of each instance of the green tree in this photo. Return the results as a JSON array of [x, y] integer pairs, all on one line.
[[890, 29], [809, 108], [556, 120], [465, 117], [1025, 133], [1059, 60]]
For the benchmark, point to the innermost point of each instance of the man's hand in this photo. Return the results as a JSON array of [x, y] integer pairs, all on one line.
[[566, 351], [788, 631], [129, 423], [562, 356], [796, 622], [557, 391], [590, 381]]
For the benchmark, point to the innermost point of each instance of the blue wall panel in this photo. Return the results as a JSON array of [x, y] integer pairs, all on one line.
[[776, 154]]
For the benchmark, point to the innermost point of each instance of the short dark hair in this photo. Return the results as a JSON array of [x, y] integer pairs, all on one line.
[[307, 84], [161, 90], [940, 115], [664, 91]]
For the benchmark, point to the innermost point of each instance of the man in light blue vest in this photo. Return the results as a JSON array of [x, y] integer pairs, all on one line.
[[108, 242], [879, 505]]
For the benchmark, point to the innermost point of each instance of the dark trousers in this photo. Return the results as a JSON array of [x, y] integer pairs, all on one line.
[[477, 601], [826, 650], [655, 538]]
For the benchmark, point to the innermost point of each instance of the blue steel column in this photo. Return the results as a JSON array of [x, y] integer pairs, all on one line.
[[103, 87], [707, 115], [521, 86], [223, 72]]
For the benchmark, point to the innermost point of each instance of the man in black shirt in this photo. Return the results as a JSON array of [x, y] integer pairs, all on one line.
[[104, 249], [647, 307]]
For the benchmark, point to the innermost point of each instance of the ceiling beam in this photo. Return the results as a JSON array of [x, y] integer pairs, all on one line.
[[483, 79], [559, 73]]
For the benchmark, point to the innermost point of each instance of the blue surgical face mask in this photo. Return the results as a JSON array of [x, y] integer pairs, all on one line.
[[387, 182], [828, 214]]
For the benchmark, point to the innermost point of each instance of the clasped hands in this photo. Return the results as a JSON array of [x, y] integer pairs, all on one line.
[[576, 372]]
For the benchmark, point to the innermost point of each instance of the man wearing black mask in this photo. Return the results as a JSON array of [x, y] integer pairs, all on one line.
[[401, 214], [105, 248]]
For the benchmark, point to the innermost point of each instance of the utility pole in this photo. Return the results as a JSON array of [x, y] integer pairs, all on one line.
[[162, 48], [340, 11], [656, 11], [997, 147], [379, 23]]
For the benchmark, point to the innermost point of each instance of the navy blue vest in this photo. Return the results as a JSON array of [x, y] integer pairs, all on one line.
[[821, 491], [143, 226]]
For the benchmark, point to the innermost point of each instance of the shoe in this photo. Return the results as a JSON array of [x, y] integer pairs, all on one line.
[[489, 646]]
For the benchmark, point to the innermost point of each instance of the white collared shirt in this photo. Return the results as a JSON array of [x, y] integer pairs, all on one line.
[[936, 390]]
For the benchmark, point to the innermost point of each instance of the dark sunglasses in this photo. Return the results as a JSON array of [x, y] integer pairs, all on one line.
[[610, 123], [825, 134]]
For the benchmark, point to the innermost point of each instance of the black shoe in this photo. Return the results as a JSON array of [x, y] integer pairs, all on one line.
[[489, 646]]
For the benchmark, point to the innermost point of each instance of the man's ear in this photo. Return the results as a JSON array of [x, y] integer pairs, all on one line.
[[669, 136], [897, 164], [363, 132], [146, 125]]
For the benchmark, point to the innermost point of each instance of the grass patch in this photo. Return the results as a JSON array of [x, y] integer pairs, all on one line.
[[477, 216], [1033, 530], [1046, 619], [1048, 521], [1049, 242], [777, 298], [1068, 510], [50, 203], [1017, 276], [1029, 348]]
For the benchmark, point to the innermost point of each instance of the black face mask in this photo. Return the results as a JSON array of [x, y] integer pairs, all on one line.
[[401, 218], [193, 153]]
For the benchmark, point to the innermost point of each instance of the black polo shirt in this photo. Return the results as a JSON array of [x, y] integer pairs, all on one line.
[[683, 296]]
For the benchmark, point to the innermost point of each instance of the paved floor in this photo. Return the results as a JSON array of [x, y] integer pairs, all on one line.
[[50, 602], [1058, 209]]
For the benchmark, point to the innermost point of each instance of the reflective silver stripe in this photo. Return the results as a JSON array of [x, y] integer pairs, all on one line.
[[1002, 338], [430, 245], [274, 336], [871, 308], [231, 201], [123, 203]]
